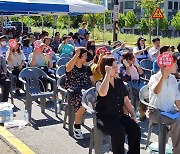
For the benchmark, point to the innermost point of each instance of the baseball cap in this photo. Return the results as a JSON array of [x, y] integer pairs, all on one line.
[[141, 38], [102, 48]]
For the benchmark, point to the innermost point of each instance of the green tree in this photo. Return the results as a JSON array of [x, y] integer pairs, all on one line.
[[143, 26], [175, 22], [130, 19], [121, 20], [100, 19], [149, 6]]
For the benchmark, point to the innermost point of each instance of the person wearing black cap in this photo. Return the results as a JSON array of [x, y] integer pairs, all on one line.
[[140, 50], [64, 47], [83, 42], [154, 52], [3, 45]]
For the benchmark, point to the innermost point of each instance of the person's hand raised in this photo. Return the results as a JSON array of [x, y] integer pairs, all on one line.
[[147, 48], [108, 69]]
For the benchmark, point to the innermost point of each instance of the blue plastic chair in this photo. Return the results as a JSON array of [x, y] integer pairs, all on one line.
[[62, 61]]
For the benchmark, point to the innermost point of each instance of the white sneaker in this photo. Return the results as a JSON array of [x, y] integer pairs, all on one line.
[[77, 133]]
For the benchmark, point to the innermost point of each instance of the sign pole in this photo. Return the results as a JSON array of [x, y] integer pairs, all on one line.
[[115, 20], [157, 26]]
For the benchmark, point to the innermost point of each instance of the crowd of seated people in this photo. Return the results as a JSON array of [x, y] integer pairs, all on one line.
[[108, 71]]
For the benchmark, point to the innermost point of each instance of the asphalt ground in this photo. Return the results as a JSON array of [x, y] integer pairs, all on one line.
[[46, 134]]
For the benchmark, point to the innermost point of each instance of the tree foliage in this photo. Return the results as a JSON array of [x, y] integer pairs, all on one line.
[[143, 26], [121, 20], [130, 19], [175, 22]]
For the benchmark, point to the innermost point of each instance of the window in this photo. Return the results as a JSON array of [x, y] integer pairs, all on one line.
[[175, 5], [169, 16], [121, 7], [129, 4], [169, 5]]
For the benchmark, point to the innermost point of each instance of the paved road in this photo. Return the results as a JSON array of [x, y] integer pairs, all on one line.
[[47, 136], [5, 148]]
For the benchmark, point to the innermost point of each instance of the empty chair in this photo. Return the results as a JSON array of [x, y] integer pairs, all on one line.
[[60, 71], [96, 138], [146, 64], [31, 78], [62, 61], [69, 109], [162, 134], [66, 55]]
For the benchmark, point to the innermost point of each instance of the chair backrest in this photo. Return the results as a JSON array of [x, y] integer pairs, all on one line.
[[144, 95], [60, 71], [89, 99], [66, 55], [31, 75], [62, 80], [62, 61], [179, 86], [146, 63]]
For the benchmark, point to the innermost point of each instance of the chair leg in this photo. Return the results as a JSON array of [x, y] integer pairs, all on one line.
[[149, 133], [91, 143], [71, 118], [162, 138], [43, 104], [65, 116], [29, 107], [98, 141]]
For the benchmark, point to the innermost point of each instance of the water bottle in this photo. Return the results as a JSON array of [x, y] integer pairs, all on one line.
[[58, 106], [11, 118], [26, 116]]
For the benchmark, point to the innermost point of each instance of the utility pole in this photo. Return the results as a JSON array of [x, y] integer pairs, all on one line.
[[115, 20]]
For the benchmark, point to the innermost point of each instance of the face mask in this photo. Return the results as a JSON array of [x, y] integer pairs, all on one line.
[[4, 43]]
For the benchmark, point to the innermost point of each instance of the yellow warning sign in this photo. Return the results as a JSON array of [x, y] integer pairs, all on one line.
[[158, 13]]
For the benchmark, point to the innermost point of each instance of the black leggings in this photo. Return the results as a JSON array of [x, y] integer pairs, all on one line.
[[117, 127]]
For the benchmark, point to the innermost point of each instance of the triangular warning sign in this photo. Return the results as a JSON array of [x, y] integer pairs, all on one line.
[[158, 13]]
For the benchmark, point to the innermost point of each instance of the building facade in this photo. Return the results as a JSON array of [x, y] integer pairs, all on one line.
[[170, 7]]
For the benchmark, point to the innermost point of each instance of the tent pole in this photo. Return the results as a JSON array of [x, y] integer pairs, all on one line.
[[42, 23], [28, 23], [104, 29], [22, 24], [53, 24], [68, 23], [2, 21]]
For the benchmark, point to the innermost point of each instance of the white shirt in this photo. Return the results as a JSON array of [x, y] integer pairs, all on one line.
[[16, 59], [165, 100], [152, 51], [136, 49]]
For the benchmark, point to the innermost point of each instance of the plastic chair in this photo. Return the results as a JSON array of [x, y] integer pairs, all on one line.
[[66, 55], [69, 109], [31, 78], [62, 61], [147, 66], [96, 137], [60, 71], [162, 134]]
